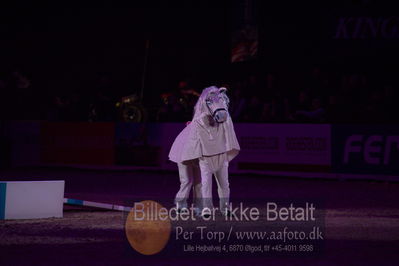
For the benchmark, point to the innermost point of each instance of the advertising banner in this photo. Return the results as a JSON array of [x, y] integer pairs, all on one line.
[[283, 147], [365, 149], [306, 150]]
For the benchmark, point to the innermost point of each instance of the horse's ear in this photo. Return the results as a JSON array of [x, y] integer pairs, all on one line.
[[222, 89]]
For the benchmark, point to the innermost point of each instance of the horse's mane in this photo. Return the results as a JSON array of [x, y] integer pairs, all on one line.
[[200, 107]]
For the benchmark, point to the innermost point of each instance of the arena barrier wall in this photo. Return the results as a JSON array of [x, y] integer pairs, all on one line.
[[24, 142], [77, 143], [295, 150]]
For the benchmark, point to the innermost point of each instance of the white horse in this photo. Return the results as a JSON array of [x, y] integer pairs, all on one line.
[[204, 148]]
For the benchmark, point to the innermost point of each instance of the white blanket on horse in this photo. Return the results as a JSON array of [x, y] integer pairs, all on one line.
[[201, 139]]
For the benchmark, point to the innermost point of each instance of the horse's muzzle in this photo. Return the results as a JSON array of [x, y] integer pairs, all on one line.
[[220, 115]]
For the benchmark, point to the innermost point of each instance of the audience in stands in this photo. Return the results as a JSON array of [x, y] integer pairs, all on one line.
[[317, 97]]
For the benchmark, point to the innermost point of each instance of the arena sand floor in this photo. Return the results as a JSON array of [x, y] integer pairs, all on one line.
[[361, 225]]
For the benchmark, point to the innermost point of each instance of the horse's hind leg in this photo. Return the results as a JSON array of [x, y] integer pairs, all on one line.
[[197, 193], [222, 180], [186, 182], [206, 184]]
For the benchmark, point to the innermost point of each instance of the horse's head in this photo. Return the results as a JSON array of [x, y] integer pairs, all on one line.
[[214, 101]]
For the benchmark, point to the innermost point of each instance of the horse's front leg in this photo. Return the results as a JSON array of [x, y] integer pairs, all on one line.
[[186, 182]]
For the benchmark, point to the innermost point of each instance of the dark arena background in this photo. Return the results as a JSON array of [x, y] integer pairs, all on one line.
[[93, 96]]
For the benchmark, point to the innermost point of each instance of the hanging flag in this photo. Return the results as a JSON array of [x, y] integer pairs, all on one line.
[[245, 34]]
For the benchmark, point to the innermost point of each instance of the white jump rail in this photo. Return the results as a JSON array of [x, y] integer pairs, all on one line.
[[100, 205]]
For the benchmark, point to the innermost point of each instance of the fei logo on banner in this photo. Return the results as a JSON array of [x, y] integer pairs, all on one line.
[[366, 149]]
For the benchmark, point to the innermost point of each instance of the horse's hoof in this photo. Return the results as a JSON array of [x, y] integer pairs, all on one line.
[[182, 211], [227, 213]]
